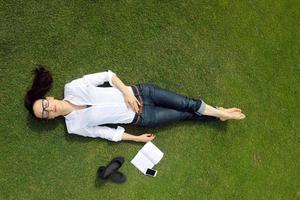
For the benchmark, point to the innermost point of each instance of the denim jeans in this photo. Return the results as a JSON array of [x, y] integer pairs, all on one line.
[[161, 106]]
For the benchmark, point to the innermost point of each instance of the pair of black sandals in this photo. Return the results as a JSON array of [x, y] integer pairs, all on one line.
[[110, 172]]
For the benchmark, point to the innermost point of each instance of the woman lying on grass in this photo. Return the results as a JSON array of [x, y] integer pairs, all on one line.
[[87, 108]]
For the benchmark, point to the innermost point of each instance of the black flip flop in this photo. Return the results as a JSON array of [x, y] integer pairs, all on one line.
[[113, 166], [117, 177], [100, 172]]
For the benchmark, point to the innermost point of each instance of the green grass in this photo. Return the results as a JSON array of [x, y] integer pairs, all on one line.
[[242, 53]]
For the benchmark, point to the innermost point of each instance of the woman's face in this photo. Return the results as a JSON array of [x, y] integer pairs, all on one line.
[[48, 108]]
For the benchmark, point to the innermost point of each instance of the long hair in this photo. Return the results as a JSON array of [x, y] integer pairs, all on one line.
[[42, 83]]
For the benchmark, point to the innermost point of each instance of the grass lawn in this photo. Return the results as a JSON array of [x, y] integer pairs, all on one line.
[[229, 53]]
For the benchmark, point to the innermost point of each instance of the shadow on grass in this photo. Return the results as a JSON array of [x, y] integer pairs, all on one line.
[[99, 182], [41, 125], [219, 126], [211, 122]]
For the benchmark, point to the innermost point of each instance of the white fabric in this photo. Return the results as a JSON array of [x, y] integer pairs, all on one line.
[[107, 106]]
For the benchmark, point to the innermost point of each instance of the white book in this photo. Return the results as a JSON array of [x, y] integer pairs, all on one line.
[[147, 157]]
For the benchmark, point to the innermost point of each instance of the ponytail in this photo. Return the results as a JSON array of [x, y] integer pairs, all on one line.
[[41, 85]]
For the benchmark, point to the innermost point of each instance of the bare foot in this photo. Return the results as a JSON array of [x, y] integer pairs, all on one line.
[[232, 113], [229, 110]]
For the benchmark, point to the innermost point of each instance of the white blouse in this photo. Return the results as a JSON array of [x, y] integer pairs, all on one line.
[[107, 106]]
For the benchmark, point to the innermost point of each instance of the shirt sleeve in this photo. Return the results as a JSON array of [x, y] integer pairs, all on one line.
[[102, 132], [99, 78]]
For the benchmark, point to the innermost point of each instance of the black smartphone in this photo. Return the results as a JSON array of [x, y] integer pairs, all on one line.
[[151, 172]]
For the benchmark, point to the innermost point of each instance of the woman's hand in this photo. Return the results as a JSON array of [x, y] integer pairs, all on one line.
[[132, 101], [145, 137]]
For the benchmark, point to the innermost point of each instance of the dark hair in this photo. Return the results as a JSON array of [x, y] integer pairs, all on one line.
[[41, 85]]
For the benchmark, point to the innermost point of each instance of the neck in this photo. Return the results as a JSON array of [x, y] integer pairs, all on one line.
[[67, 108]]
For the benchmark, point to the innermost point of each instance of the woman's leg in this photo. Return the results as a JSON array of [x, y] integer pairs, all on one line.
[[154, 116], [154, 95]]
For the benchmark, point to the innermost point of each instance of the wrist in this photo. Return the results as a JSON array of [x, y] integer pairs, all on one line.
[[137, 139]]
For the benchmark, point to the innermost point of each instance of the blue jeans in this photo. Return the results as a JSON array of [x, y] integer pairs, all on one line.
[[161, 106]]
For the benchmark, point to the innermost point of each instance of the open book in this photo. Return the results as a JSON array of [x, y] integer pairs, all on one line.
[[147, 157]]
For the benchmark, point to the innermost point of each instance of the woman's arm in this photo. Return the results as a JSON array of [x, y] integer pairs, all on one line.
[[140, 138], [130, 99], [119, 84], [96, 79]]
